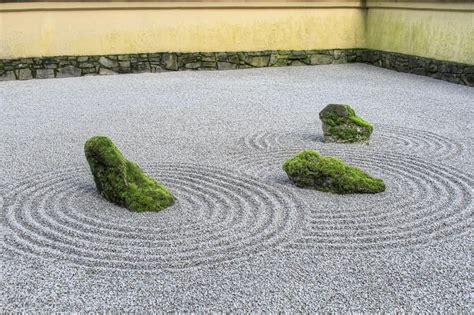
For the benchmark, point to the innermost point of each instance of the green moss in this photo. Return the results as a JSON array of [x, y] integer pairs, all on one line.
[[341, 124], [359, 121], [122, 181], [310, 169]]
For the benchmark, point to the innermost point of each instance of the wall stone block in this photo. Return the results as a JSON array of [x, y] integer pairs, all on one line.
[[44, 74], [68, 71]]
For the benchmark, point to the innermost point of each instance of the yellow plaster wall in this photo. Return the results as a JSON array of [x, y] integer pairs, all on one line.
[[89, 32], [443, 35], [436, 29]]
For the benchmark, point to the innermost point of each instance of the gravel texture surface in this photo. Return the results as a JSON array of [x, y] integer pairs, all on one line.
[[240, 237]]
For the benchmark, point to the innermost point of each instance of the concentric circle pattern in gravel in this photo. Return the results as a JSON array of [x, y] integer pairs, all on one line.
[[218, 216], [423, 202], [388, 138]]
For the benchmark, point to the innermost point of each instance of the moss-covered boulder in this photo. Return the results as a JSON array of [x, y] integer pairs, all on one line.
[[122, 181], [341, 124], [309, 169]]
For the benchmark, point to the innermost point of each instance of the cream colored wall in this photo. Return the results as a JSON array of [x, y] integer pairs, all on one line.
[[91, 32], [444, 35], [437, 30]]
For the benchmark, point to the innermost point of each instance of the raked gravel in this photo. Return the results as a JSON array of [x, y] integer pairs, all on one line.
[[241, 237]]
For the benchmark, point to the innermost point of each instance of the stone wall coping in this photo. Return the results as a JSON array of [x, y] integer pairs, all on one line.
[[217, 4], [158, 5], [420, 5]]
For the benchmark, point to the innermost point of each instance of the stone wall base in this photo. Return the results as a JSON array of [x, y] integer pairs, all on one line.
[[75, 66]]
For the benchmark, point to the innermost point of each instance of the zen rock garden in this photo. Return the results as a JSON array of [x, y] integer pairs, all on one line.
[[123, 182], [282, 189]]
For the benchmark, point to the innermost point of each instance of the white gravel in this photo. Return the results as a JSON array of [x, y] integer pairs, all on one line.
[[241, 237]]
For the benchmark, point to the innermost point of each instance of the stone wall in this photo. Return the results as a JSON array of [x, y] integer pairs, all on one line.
[[75, 66], [443, 70]]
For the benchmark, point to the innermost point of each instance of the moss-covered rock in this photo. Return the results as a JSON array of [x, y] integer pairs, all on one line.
[[310, 169], [341, 124], [122, 181]]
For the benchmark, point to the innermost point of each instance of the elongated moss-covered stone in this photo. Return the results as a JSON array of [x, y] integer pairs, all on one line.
[[122, 181], [309, 169], [341, 124]]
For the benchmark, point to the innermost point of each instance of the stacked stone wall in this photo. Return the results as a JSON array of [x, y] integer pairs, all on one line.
[[75, 66]]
